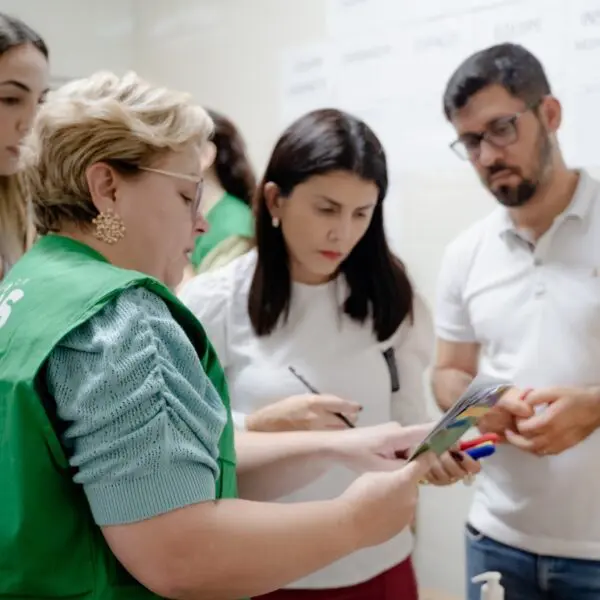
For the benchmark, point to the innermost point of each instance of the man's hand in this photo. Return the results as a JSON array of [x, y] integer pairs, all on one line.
[[570, 416], [504, 415]]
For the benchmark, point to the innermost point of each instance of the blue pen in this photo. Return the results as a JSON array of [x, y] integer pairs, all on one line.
[[481, 451]]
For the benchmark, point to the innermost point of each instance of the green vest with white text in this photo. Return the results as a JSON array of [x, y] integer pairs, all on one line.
[[50, 546]]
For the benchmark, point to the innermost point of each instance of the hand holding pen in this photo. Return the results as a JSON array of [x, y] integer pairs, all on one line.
[[340, 415], [311, 411]]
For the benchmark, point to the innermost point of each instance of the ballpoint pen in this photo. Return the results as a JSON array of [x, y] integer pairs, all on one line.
[[313, 390], [399, 454]]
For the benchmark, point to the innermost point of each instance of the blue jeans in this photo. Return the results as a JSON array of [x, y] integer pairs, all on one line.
[[527, 576]]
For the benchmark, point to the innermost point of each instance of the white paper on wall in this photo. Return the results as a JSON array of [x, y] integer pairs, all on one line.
[[389, 64], [581, 103], [365, 72], [431, 52], [429, 10], [306, 81], [357, 18]]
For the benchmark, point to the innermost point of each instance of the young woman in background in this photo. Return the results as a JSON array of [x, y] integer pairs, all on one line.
[[322, 305], [23, 83], [227, 197]]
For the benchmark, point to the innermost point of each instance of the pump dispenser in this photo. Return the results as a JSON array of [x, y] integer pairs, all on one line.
[[491, 588]]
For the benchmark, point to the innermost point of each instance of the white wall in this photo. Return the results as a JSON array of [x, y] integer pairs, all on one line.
[[226, 53], [83, 36]]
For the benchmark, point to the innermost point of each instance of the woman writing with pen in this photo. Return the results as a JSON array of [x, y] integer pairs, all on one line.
[[322, 315]]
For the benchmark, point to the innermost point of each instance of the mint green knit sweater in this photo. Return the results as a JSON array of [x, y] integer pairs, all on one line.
[[141, 420]]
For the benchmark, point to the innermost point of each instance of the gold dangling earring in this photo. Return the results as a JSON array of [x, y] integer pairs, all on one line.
[[109, 227]]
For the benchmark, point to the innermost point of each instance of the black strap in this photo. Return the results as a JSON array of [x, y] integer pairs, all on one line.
[[389, 356]]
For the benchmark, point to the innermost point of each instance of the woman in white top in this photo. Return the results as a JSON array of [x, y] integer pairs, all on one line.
[[323, 306]]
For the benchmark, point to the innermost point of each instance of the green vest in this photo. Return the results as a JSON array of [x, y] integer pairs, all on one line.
[[50, 546], [229, 217]]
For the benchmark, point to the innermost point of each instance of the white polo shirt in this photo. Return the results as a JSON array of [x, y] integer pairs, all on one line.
[[536, 313]]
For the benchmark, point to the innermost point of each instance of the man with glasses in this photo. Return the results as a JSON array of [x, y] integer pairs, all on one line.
[[519, 302]]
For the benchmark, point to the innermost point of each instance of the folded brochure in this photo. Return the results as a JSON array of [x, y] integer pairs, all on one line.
[[463, 415]]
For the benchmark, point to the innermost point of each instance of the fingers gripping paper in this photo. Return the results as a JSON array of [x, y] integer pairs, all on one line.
[[471, 406]]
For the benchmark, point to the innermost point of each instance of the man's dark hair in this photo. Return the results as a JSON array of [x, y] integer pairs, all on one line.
[[511, 66]]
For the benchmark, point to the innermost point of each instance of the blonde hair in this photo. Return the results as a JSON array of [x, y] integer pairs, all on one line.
[[16, 232], [102, 118]]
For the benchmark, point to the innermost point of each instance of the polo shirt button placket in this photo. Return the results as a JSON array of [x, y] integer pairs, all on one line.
[[539, 288]]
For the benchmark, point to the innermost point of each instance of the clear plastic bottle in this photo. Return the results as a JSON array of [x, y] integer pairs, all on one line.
[[492, 588]]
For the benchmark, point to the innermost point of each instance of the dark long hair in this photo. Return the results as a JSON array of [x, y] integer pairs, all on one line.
[[321, 142], [232, 164]]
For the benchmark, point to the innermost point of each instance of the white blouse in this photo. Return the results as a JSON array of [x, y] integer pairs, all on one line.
[[337, 356]]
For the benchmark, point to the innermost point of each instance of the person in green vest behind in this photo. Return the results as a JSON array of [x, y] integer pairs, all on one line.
[[227, 199], [117, 461]]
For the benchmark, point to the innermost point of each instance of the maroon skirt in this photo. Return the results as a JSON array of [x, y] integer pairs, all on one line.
[[399, 583]]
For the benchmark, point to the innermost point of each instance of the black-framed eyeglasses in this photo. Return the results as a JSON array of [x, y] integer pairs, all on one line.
[[500, 133]]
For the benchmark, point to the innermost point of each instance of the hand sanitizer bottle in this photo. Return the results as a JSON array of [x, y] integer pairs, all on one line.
[[491, 588]]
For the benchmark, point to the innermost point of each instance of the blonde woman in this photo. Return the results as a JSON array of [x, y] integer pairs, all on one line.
[[23, 83], [116, 439]]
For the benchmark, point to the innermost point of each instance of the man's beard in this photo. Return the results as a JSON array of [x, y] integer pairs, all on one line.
[[519, 195], [515, 196]]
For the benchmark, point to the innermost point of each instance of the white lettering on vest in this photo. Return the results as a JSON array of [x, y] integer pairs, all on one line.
[[6, 304]]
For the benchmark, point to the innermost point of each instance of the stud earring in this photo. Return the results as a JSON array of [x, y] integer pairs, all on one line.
[[109, 227], [275, 222]]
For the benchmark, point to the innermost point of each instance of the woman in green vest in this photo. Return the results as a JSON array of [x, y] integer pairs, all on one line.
[[117, 461], [227, 199]]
